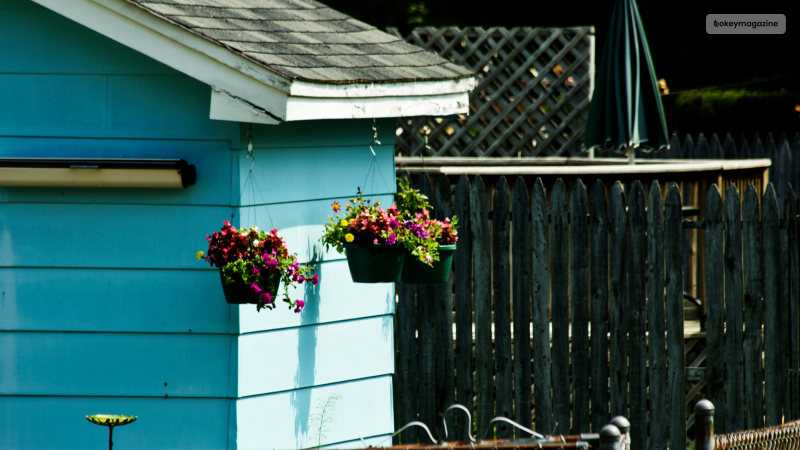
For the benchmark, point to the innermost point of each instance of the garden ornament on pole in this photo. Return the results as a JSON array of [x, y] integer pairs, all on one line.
[[626, 112]]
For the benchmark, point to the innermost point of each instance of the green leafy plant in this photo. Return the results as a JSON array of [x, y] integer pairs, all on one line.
[[323, 418], [407, 223], [260, 261]]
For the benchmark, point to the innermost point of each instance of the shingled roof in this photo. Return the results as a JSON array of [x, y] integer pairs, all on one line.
[[305, 40]]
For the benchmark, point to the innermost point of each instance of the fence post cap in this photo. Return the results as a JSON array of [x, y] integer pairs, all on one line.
[[622, 423], [704, 407], [609, 433]]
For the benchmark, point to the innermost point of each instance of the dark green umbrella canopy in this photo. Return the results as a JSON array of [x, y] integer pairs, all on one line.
[[626, 106]]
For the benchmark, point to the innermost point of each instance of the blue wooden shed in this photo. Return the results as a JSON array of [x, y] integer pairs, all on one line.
[[103, 306]]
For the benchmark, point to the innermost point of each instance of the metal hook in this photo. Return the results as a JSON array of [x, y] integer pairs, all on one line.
[[375, 133], [507, 420], [362, 440], [374, 137], [414, 423], [469, 416]]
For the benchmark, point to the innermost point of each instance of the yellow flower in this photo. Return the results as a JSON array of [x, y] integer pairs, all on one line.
[[344, 223], [200, 255], [349, 237]]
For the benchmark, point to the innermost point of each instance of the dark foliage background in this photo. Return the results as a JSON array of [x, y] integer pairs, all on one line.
[[766, 67]]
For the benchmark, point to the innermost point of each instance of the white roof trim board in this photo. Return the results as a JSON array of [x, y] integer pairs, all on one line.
[[247, 88]]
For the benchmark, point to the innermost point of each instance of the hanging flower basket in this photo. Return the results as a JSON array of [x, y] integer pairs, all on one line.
[[417, 272], [378, 243], [375, 263], [238, 293], [252, 266]]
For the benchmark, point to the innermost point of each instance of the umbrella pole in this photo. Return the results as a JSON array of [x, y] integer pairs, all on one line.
[[630, 155]]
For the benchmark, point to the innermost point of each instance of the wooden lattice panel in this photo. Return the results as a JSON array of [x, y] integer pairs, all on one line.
[[532, 96]]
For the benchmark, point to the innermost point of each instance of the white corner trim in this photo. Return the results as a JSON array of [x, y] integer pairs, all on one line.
[[308, 108], [362, 90], [225, 107], [143, 39]]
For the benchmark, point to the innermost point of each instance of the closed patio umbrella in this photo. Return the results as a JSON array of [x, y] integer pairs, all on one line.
[[626, 112]]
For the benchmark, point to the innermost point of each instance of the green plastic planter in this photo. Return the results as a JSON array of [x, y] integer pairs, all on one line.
[[416, 272], [237, 293], [375, 263]]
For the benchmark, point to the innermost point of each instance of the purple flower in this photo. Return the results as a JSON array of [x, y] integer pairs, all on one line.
[[265, 298], [255, 289], [315, 279], [299, 306], [256, 270], [393, 223], [390, 240]]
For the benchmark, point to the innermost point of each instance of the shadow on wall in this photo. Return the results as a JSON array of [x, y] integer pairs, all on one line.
[[306, 355]]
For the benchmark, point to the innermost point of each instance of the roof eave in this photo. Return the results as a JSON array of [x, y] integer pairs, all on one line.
[[256, 87]]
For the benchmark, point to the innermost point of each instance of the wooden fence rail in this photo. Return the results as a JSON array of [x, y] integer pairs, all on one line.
[[563, 313]]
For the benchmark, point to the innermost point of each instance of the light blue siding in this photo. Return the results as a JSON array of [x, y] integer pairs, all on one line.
[[102, 301], [55, 105], [59, 423], [114, 300], [361, 410], [287, 174], [337, 299], [115, 364], [317, 354]]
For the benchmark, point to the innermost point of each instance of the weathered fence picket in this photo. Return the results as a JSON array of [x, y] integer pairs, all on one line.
[[772, 333], [656, 321], [793, 310], [521, 273], [715, 307], [753, 307], [637, 313], [481, 260], [734, 375], [578, 311], [598, 225], [559, 299], [443, 313], [540, 307], [463, 305], [501, 288], [676, 376], [618, 300], [579, 306]]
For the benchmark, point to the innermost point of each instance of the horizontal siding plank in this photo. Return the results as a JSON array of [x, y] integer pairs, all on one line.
[[282, 420], [162, 423], [326, 134], [212, 160], [117, 106], [106, 235], [161, 107], [114, 364], [182, 301], [310, 173], [115, 233], [81, 101], [335, 298], [87, 52], [110, 300], [315, 355]]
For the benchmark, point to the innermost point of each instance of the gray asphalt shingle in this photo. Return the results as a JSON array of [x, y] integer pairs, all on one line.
[[305, 40]]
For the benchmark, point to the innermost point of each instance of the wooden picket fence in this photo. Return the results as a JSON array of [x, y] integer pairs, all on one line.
[[566, 309]]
